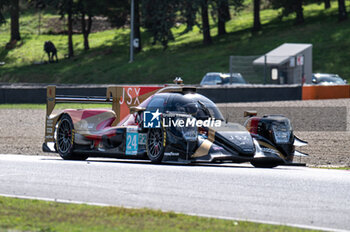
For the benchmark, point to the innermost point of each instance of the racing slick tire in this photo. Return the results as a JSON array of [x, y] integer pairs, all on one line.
[[263, 165], [155, 145], [65, 139]]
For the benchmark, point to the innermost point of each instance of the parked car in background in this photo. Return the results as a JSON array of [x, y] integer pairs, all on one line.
[[327, 79], [216, 78]]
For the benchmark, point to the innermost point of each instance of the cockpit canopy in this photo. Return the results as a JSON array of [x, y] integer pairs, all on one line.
[[191, 103]]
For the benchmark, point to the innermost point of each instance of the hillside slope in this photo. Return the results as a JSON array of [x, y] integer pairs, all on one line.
[[107, 60]]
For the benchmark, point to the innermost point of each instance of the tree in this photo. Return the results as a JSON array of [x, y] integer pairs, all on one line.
[[3, 5], [13, 7], [205, 23], [299, 12], [86, 29], [342, 15], [86, 10], [158, 18], [223, 16], [69, 10], [289, 7], [257, 24], [189, 10], [14, 12], [327, 4], [66, 7], [224, 12]]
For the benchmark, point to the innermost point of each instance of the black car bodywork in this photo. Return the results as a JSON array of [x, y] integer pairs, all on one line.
[[265, 141]]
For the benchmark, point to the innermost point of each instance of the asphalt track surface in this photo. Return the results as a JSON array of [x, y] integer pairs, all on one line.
[[301, 196]]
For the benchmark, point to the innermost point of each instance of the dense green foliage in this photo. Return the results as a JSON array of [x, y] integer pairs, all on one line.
[[186, 56]]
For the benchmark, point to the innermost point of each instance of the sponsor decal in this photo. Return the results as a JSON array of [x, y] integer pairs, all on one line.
[[142, 138], [49, 123], [171, 154], [73, 133], [217, 148], [128, 94], [132, 141]]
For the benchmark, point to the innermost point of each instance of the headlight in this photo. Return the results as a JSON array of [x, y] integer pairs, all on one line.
[[282, 131], [241, 139]]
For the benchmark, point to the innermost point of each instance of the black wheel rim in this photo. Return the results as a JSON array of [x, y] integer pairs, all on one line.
[[155, 141], [64, 136]]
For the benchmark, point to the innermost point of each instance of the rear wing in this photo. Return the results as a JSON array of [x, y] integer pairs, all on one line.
[[121, 98]]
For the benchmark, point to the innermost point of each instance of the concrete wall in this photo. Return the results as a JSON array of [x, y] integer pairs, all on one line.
[[252, 93], [220, 94], [14, 95]]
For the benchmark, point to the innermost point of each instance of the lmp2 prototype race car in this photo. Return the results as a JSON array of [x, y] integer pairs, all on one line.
[[165, 124]]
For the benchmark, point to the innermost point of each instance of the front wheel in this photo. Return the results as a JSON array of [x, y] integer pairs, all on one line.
[[263, 165], [155, 145], [65, 139]]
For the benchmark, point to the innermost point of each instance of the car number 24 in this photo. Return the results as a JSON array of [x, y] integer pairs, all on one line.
[[133, 139]]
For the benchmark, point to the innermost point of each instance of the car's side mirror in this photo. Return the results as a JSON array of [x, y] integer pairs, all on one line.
[[136, 109], [250, 113], [314, 81]]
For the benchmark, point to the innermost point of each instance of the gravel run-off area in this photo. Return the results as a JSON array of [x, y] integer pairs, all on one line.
[[323, 123]]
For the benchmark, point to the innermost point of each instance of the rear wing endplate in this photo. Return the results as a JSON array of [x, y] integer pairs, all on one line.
[[121, 98]]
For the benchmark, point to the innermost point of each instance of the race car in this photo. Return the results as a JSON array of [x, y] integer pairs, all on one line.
[[165, 124]]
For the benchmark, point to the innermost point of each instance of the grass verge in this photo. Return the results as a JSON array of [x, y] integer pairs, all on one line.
[[34, 215]]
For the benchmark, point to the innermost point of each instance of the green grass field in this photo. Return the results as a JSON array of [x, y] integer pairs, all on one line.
[[34, 215], [107, 61]]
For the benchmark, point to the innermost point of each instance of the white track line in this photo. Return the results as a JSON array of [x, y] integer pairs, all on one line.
[[191, 214]]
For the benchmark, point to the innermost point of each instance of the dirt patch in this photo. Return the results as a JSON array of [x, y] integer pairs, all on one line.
[[58, 26], [22, 131]]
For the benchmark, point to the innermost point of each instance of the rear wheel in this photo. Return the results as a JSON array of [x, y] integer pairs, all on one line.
[[155, 145], [65, 139]]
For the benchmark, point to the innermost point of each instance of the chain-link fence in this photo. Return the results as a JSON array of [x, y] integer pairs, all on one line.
[[268, 69]]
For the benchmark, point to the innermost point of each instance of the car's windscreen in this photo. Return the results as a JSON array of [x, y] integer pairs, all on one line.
[[336, 80], [197, 105], [235, 80], [211, 80], [156, 102]]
